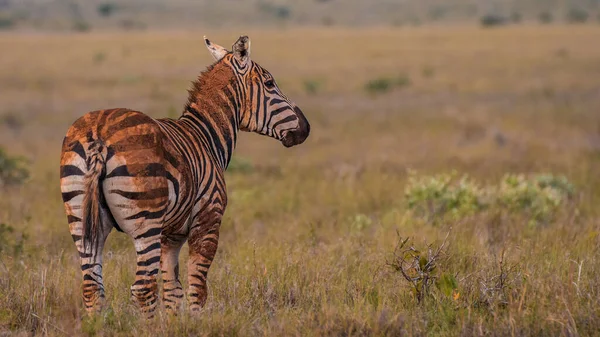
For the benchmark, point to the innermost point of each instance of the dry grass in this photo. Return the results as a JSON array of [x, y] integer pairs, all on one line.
[[297, 256]]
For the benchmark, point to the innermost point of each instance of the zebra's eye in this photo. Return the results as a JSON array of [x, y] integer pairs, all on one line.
[[269, 84]]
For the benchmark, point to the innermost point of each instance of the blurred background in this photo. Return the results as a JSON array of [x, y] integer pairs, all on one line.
[[469, 126], [157, 14]]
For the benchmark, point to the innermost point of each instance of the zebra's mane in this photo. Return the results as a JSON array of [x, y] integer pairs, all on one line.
[[210, 82]]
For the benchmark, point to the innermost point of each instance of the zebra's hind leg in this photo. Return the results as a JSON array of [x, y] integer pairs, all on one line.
[[91, 263], [172, 289], [137, 195], [74, 186], [144, 290], [203, 247]]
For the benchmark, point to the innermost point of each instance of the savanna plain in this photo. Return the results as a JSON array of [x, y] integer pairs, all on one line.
[[311, 243]]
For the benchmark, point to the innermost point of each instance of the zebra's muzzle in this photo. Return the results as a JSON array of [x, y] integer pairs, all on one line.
[[299, 135]]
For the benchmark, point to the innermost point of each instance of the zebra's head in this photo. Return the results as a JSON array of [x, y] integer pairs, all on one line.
[[264, 108]]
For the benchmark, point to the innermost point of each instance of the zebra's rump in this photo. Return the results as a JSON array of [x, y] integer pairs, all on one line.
[[144, 174], [127, 147]]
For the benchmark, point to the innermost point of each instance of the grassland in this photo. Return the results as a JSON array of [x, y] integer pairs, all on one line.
[[293, 259]]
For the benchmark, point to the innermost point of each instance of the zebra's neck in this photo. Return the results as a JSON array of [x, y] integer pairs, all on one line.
[[212, 113]]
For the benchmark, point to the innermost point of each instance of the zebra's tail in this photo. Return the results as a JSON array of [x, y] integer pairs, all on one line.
[[92, 199]]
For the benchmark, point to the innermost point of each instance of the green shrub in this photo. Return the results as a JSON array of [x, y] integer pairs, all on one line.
[[5, 230], [281, 12], [492, 20], [12, 120], [11, 242], [106, 9], [378, 85], [577, 15], [99, 57], [414, 21], [538, 197], [428, 71], [7, 22], [402, 81], [516, 17], [240, 165], [327, 21], [81, 26], [312, 86], [12, 169], [545, 17], [559, 183], [131, 79], [437, 13], [385, 84], [131, 24], [360, 222], [435, 198]]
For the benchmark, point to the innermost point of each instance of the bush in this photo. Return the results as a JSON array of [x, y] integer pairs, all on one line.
[[81, 26], [437, 13], [577, 15], [12, 170], [282, 12], [419, 267], [385, 84], [360, 222], [492, 20], [279, 11], [240, 165], [99, 57], [378, 85], [130, 24], [327, 21], [12, 120], [11, 243], [538, 197], [545, 17], [560, 184], [106, 9], [561, 53], [312, 87], [402, 81], [516, 17], [427, 71], [6, 22], [435, 198]]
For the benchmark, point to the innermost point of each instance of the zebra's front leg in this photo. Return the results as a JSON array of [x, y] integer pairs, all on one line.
[[203, 244], [169, 264]]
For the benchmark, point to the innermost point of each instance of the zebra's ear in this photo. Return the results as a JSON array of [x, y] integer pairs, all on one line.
[[215, 50], [241, 50]]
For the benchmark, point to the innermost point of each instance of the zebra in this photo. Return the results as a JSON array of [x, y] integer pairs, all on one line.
[[161, 181]]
